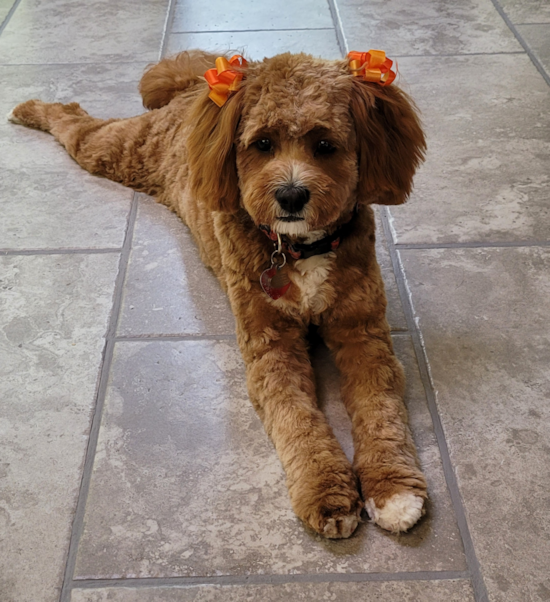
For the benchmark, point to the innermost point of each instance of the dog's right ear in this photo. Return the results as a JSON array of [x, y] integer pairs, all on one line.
[[390, 140], [212, 156]]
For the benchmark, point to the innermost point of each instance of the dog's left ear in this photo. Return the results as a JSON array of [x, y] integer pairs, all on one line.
[[212, 157], [390, 142]]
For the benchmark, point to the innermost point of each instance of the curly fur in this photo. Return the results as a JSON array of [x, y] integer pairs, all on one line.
[[203, 163]]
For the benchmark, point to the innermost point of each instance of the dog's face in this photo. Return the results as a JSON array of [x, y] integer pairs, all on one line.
[[302, 142], [296, 145]]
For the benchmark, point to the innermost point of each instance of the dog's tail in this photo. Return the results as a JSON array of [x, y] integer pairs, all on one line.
[[172, 76]]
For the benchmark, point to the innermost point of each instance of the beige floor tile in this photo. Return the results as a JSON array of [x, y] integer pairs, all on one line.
[[46, 200], [168, 289], [422, 27], [55, 311], [527, 11], [394, 310], [5, 7], [104, 91], [218, 15], [486, 175], [484, 319], [256, 45], [63, 31], [538, 38], [186, 482]]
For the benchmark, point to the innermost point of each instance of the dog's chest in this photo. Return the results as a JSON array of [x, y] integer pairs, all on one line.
[[311, 277]]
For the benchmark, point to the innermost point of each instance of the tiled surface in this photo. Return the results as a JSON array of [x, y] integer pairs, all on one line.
[[64, 31], [394, 310], [219, 15], [55, 311], [103, 91], [421, 27], [489, 354], [304, 26], [5, 7], [46, 200], [410, 591], [527, 11], [538, 38], [186, 482], [166, 282], [258, 44], [53, 205], [486, 176]]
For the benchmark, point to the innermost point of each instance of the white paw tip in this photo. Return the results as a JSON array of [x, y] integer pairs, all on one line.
[[12, 118], [399, 513], [340, 528]]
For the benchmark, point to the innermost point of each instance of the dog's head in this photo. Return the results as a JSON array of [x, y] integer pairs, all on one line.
[[302, 142]]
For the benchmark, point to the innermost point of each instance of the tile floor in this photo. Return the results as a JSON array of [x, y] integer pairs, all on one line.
[[132, 467]]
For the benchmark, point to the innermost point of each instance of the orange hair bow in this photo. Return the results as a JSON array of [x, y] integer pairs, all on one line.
[[223, 79], [372, 66]]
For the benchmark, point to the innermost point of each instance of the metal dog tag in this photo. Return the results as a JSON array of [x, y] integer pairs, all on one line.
[[275, 282]]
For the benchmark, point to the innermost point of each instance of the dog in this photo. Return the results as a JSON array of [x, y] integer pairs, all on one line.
[[274, 166]]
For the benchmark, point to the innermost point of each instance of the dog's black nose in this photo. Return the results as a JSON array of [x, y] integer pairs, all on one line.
[[292, 198]]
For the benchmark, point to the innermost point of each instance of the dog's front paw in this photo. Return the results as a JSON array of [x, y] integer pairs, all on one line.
[[340, 527], [331, 509], [394, 490], [398, 513], [336, 516]]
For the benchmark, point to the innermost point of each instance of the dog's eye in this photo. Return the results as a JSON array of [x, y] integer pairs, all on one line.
[[265, 145], [324, 147]]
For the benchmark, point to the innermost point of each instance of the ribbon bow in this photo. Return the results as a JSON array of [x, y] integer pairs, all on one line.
[[372, 66], [224, 80]]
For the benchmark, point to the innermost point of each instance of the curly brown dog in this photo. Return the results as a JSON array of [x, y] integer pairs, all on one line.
[[276, 185]]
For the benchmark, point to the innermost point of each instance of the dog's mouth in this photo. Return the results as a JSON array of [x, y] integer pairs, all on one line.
[[290, 218]]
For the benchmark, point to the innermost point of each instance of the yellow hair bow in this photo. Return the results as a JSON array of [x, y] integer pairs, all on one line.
[[224, 79], [372, 66]]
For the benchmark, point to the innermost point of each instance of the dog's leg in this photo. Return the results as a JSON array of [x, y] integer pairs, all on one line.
[[321, 482], [123, 150], [393, 486]]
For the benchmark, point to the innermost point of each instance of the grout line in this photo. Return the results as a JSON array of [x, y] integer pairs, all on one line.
[[8, 17], [480, 591], [58, 251], [270, 579], [520, 39], [78, 520], [112, 339], [167, 28], [470, 245], [474, 574], [140, 338], [338, 27], [255, 30]]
